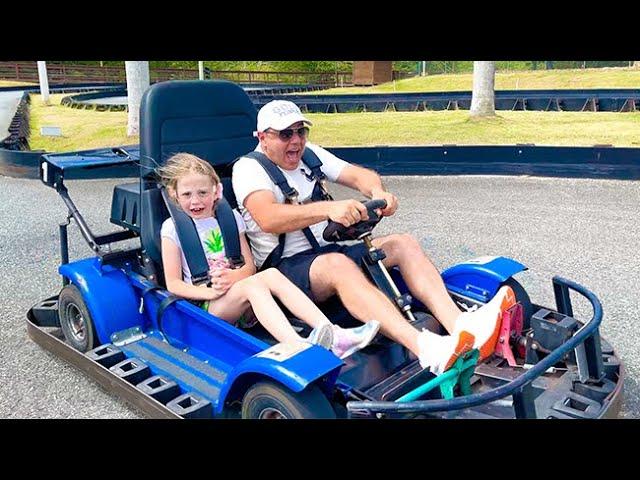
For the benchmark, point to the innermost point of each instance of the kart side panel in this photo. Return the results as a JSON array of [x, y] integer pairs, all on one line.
[[108, 294], [480, 278], [308, 364], [242, 357]]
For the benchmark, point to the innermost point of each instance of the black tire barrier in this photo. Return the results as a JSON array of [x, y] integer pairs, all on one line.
[[19, 127], [80, 100], [598, 161], [594, 100]]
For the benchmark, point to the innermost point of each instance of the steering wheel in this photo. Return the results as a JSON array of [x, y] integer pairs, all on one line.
[[336, 232]]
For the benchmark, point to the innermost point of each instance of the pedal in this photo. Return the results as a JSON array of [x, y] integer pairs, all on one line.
[[459, 375], [511, 327]]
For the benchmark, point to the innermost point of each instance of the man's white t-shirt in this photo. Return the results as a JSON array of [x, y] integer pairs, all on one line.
[[249, 176], [210, 238]]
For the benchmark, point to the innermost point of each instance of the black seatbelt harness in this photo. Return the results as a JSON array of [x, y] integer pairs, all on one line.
[[320, 192], [190, 240]]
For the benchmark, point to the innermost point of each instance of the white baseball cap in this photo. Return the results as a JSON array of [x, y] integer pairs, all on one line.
[[279, 114]]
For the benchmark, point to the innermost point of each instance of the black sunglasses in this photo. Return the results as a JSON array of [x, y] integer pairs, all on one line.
[[286, 134]]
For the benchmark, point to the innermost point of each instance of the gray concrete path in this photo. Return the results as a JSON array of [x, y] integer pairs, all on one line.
[[8, 104], [584, 230]]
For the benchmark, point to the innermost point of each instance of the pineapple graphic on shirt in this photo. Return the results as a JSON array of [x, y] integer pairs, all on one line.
[[214, 249]]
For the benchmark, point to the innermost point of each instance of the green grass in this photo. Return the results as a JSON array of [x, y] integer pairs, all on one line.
[[13, 83], [520, 80], [454, 127], [86, 129], [81, 129]]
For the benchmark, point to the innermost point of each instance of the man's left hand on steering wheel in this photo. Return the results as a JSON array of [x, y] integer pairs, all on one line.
[[391, 199]]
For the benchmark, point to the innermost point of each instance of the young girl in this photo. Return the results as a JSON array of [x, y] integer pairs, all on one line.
[[194, 185]]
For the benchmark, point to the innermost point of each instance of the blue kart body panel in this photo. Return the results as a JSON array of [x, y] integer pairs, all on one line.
[[108, 294], [226, 358], [480, 278], [477, 279]]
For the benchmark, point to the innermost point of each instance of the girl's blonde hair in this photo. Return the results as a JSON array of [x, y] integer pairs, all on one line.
[[182, 164]]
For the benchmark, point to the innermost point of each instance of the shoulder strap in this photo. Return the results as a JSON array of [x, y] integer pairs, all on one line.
[[314, 163], [276, 176], [230, 236], [291, 196], [189, 240]]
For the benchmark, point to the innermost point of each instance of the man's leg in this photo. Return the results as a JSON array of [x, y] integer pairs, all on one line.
[[334, 273], [425, 283], [421, 276]]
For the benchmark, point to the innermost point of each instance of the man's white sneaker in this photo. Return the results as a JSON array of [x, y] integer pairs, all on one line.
[[349, 340], [485, 322], [439, 352]]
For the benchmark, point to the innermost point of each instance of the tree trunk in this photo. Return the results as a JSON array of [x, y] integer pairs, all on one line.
[[44, 82], [483, 97], [137, 82]]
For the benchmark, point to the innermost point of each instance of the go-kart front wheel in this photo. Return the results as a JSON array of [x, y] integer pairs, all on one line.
[[75, 319], [522, 297], [267, 400]]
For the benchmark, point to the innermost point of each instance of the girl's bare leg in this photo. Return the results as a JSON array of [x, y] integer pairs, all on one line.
[[254, 291], [293, 298]]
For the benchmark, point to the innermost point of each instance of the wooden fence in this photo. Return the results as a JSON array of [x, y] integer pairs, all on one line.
[[64, 74]]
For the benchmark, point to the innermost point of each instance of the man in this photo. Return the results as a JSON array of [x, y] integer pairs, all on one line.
[[321, 269]]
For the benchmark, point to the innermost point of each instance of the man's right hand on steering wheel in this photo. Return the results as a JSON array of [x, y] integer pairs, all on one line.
[[347, 212], [390, 198]]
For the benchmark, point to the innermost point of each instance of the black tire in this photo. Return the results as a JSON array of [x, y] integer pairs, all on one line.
[[75, 320], [522, 297], [267, 400]]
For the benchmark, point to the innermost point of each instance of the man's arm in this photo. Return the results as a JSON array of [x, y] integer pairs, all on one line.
[[369, 184], [274, 217]]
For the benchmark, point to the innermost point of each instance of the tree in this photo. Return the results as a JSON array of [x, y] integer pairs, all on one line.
[[44, 82], [483, 97], [137, 82]]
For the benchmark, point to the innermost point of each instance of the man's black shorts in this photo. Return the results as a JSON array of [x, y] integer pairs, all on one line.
[[296, 268]]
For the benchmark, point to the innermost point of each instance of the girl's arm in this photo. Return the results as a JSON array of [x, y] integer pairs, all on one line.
[[172, 264], [225, 278]]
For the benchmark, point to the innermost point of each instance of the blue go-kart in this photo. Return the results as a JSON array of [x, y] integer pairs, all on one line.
[[115, 320]]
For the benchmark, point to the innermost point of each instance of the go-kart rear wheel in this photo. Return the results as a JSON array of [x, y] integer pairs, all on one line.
[[522, 297], [75, 319], [267, 400]]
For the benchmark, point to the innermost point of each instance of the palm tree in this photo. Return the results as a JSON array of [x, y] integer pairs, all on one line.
[[483, 102], [137, 82]]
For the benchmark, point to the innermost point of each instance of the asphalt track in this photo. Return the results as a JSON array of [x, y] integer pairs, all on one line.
[[585, 230]]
